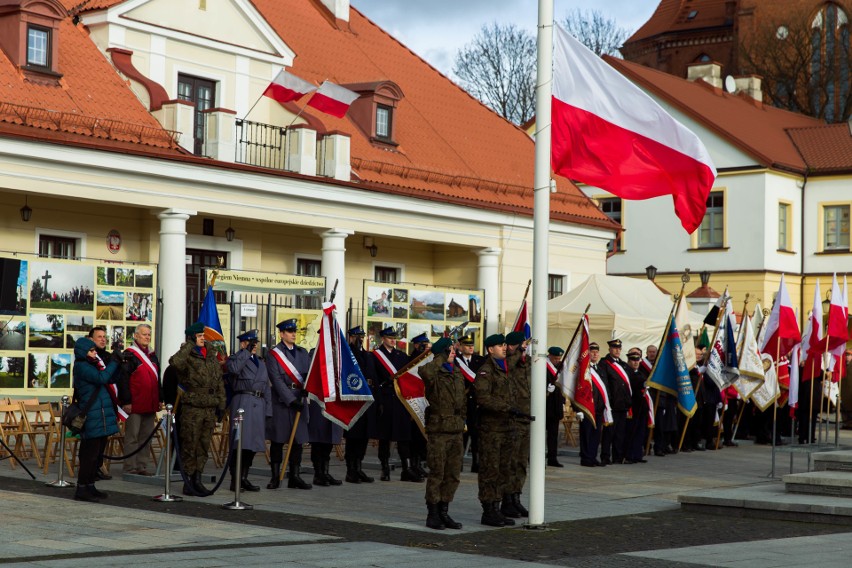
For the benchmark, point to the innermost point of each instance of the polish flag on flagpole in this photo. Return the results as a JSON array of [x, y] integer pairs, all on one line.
[[610, 134], [782, 328], [332, 99], [286, 87], [837, 333]]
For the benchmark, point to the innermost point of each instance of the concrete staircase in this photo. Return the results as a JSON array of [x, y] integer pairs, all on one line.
[[832, 475]]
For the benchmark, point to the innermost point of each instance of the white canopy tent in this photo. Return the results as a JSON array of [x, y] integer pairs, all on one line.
[[631, 309]]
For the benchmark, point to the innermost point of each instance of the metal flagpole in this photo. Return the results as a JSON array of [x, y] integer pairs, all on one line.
[[541, 225]]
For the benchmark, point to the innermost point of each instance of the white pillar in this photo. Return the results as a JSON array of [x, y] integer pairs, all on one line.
[[488, 278], [334, 267], [171, 276]]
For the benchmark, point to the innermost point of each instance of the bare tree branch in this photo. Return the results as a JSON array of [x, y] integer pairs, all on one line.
[[596, 31]]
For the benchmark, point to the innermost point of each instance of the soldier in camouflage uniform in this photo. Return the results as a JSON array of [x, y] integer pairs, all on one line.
[[200, 374], [519, 377], [445, 416], [494, 396]]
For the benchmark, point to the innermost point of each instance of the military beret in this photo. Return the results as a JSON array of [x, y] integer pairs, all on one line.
[[442, 345], [555, 351], [389, 331], [194, 329], [287, 325], [496, 339], [515, 338], [614, 343], [250, 335], [422, 338], [357, 330], [594, 347], [466, 340]]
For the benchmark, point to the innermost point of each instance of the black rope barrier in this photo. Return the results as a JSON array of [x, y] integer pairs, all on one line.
[[141, 447]]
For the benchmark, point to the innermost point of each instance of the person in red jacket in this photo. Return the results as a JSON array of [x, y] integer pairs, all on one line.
[[139, 394]]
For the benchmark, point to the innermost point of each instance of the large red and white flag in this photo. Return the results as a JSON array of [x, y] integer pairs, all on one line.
[[608, 133], [332, 99], [286, 87], [837, 334], [813, 344], [411, 390], [575, 377], [782, 327]]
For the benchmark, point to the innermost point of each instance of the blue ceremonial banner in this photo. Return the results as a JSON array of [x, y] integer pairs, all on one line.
[[209, 316], [670, 374], [731, 360]]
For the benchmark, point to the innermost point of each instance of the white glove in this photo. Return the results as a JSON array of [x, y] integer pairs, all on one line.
[[580, 416], [551, 388], [719, 405]]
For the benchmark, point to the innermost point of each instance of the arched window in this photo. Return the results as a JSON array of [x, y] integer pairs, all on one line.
[[703, 58], [830, 61]]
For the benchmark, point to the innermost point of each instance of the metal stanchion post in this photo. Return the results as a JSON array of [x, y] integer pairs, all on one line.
[[236, 505], [167, 452], [60, 482]]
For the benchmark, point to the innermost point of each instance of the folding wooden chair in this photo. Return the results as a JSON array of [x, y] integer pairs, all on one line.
[[52, 445], [220, 442], [36, 421], [569, 421], [12, 431]]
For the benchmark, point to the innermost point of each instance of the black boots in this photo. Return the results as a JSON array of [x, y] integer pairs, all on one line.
[[474, 462], [275, 481], [516, 501], [89, 493], [326, 463], [361, 475], [194, 486], [294, 481], [443, 514], [409, 473], [385, 470], [352, 471], [507, 507], [433, 521], [491, 514], [321, 475]]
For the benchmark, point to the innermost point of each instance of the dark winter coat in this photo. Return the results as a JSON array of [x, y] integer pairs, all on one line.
[[101, 418]]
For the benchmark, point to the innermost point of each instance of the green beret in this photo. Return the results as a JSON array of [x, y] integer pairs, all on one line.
[[442, 345], [496, 339], [555, 351], [515, 338], [194, 329]]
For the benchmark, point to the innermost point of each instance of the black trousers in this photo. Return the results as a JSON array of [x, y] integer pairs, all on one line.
[[590, 439], [276, 453], [552, 437], [356, 448], [613, 439], [403, 448], [90, 453]]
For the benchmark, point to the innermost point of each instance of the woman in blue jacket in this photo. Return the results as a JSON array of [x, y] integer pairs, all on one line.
[[91, 377]]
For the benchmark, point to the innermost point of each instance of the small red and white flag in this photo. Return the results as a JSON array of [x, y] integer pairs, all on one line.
[[610, 134], [286, 87], [782, 327], [332, 99]]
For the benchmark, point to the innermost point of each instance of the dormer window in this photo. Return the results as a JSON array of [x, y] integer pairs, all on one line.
[[384, 116], [38, 47]]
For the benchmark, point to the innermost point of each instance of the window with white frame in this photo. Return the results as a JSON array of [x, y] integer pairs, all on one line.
[[555, 285], [784, 242], [835, 227], [711, 233], [611, 207], [38, 46], [388, 274], [309, 267]]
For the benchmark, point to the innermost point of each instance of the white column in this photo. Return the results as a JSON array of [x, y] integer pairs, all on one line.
[[488, 278], [334, 267], [171, 276]]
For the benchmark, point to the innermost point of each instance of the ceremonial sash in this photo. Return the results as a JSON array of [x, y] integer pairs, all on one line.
[[113, 391], [596, 380], [288, 367], [465, 370], [143, 357], [383, 359], [647, 365], [647, 396], [622, 374], [551, 368]]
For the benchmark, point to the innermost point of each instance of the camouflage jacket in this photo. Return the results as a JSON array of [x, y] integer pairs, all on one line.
[[445, 391], [200, 376]]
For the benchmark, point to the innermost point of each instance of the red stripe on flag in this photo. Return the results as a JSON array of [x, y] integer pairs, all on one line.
[[328, 105]]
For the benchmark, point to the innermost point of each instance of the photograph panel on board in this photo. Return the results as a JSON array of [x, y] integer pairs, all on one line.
[[12, 334], [106, 276], [37, 373], [400, 295], [47, 331], [13, 286], [110, 305], [115, 337], [474, 309], [124, 277], [378, 301], [12, 373], [427, 304], [139, 307], [400, 311], [144, 278], [60, 371], [61, 285], [457, 307]]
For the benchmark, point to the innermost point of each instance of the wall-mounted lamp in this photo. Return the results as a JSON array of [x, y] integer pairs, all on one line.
[[230, 232], [26, 211], [651, 272], [705, 277], [371, 246]]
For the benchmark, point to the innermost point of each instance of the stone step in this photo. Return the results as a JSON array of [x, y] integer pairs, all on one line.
[[837, 483], [840, 460]]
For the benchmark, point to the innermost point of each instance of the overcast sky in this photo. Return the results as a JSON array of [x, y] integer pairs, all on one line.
[[436, 29]]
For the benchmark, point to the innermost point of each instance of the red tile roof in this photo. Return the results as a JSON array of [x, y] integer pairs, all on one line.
[[826, 149], [703, 292], [673, 16], [451, 147], [758, 130]]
